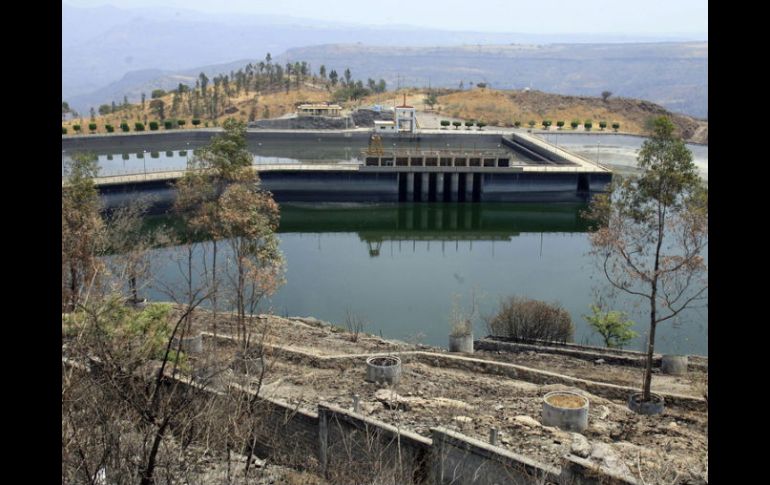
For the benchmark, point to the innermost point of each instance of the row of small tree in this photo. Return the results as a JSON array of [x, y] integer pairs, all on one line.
[[458, 124], [138, 126]]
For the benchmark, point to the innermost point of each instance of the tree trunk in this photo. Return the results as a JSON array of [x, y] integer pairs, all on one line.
[[648, 365], [149, 472]]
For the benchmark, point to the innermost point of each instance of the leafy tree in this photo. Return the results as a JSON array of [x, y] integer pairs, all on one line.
[[138, 126], [63, 130], [109, 128], [445, 123], [431, 100], [124, 127], [468, 124], [333, 77], [65, 108], [348, 77], [76, 128], [615, 126], [457, 124], [517, 123], [574, 124], [105, 109], [93, 113], [196, 122], [613, 326], [602, 125], [531, 123], [144, 96], [322, 71], [158, 106], [180, 122], [652, 231], [588, 125], [481, 124], [381, 86], [546, 124], [606, 95], [204, 82], [168, 124], [560, 124], [153, 125], [92, 127]]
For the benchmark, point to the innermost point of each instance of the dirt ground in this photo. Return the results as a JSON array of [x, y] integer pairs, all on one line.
[[671, 447]]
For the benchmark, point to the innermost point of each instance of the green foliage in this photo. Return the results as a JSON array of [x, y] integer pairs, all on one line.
[[109, 128], [531, 123], [181, 122], [560, 124], [196, 122], [588, 125], [456, 124], [546, 124], [517, 123], [124, 127], [153, 125], [445, 123], [157, 93], [574, 124], [138, 126], [63, 130], [92, 127], [76, 127], [615, 126], [469, 123], [481, 124], [613, 326], [154, 154], [602, 125], [169, 125]]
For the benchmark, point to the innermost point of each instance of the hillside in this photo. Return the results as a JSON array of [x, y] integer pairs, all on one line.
[[494, 107]]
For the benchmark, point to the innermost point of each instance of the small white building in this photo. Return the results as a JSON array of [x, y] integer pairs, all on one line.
[[406, 118], [386, 126]]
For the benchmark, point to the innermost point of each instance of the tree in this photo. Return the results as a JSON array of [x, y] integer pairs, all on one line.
[[333, 76], [82, 229], [481, 124], [125, 100], [606, 95], [158, 106], [531, 123], [457, 124], [546, 124], [615, 126], [138, 126], [445, 123], [92, 127], [348, 77], [196, 122], [574, 124], [109, 128], [468, 124], [322, 71], [587, 124], [602, 125], [517, 123], [612, 326], [652, 230], [153, 125], [124, 127], [180, 122], [560, 124], [431, 100], [93, 113], [105, 109], [65, 108], [76, 128]]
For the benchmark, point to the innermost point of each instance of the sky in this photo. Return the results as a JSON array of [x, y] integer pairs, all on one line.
[[651, 17]]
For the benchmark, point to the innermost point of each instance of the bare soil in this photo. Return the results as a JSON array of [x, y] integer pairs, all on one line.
[[656, 448]]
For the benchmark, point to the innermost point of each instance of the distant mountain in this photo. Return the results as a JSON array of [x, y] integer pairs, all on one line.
[[102, 44]]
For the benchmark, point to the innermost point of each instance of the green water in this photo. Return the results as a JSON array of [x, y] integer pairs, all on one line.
[[398, 266]]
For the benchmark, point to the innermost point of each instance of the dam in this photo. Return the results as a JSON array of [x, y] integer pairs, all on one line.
[[348, 167]]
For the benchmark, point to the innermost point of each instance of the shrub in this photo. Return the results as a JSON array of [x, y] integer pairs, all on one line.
[[456, 124], [157, 93], [153, 125], [109, 128], [560, 124], [124, 127], [615, 126], [574, 124], [445, 123], [528, 319], [63, 130], [612, 326], [517, 123], [169, 153], [602, 125], [76, 127], [546, 124], [196, 122], [481, 124], [180, 122], [138, 126], [155, 154], [169, 125], [468, 124], [531, 123], [91, 127], [588, 125]]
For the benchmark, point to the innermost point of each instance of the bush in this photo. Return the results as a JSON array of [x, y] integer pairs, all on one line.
[[456, 124], [574, 124], [588, 125], [560, 124], [481, 124], [196, 122], [124, 127], [109, 128], [138, 126], [445, 123], [155, 154], [613, 326], [469, 123], [157, 93], [517, 123], [92, 126], [169, 125], [616, 126], [63, 130], [546, 124], [528, 319], [76, 127], [180, 122], [531, 123], [602, 124], [153, 125]]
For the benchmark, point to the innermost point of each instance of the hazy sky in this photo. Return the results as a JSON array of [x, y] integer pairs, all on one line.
[[654, 17]]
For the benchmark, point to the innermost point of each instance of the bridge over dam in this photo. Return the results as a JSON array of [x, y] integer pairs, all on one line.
[[348, 167]]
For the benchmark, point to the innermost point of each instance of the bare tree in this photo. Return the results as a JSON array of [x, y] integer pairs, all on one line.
[[652, 232]]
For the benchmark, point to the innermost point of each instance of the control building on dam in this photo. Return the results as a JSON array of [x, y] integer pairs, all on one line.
[[407, 168]]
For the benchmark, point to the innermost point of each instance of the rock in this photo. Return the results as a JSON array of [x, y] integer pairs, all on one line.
[[673, 425], [606, 456], [527, 421], [580, 445], [391, 400], [599, 361], [602, 411], [463, 419], [499, 407]]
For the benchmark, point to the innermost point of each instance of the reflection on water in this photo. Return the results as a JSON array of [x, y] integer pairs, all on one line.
[[397, 266]]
